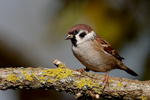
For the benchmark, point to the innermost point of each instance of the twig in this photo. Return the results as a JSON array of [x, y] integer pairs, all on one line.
[[82, 85]]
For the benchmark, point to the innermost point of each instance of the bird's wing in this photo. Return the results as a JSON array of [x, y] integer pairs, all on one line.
[[107, 47]]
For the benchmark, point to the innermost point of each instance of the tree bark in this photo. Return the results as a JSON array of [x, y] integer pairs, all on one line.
[[82, 85]]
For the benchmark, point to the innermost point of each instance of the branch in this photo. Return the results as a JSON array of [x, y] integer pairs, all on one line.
[[82, 85]]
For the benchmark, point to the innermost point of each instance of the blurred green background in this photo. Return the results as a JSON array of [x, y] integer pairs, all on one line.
[[32, 34]]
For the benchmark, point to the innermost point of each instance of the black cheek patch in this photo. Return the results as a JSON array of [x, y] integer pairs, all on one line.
[[82, 34], [74, 41]]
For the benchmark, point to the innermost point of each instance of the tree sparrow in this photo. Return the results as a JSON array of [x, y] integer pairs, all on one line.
[[94, 52]]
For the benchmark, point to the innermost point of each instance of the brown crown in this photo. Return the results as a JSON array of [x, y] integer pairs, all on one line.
[[80, 27]]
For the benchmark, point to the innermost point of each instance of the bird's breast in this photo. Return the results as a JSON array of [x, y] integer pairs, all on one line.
[[91, 58]]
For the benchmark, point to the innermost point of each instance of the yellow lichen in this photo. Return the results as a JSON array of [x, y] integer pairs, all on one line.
[[90, 83], [42, 79], [86, 81], [30, 67], [143, 98], [102, 87], [96, 84], [34, 75], [28, 77], [120, 84], [79, 79], [115, 88], [116, 93], [24, 72], [59, 73], [61, 65], [119, 87], [96, 90], [45, 71], [99, 92], [10, 68], [81, 83], [110, 80], [49, 80], [13, 78]]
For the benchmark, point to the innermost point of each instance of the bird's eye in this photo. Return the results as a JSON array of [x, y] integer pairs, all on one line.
[[82, 34], [75, 32]]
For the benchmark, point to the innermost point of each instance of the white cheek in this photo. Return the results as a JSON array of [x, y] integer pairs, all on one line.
[[79, 39], [86, 38]]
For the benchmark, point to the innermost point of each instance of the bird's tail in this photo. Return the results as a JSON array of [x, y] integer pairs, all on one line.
[[128, 70]]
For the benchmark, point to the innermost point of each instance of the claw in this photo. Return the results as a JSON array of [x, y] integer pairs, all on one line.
[[81, 70]]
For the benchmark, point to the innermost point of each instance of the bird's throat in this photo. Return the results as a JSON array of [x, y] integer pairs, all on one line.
[[74, 41]]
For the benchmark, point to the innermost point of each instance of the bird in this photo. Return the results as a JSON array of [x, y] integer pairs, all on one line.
[[94, 52]]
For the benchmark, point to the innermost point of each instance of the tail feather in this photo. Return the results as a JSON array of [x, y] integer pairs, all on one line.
[[128, 70]]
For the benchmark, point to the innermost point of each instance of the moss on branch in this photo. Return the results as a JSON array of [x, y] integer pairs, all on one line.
[[82, 85]]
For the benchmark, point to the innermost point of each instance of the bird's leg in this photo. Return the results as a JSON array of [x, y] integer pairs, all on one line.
[[81, 70], [106, 79]]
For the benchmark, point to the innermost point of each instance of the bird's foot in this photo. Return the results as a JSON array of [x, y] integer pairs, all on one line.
[[106, 79], [81, 70]]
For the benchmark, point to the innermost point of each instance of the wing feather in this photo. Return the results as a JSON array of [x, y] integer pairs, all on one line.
[[107, 47]]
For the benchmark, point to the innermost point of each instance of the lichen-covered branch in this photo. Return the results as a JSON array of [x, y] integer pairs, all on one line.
[[82, 85]]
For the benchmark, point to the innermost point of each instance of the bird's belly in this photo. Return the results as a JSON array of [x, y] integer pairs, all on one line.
[[92, 59]]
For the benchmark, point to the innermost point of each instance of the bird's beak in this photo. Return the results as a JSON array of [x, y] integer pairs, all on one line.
[[69, 36]]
